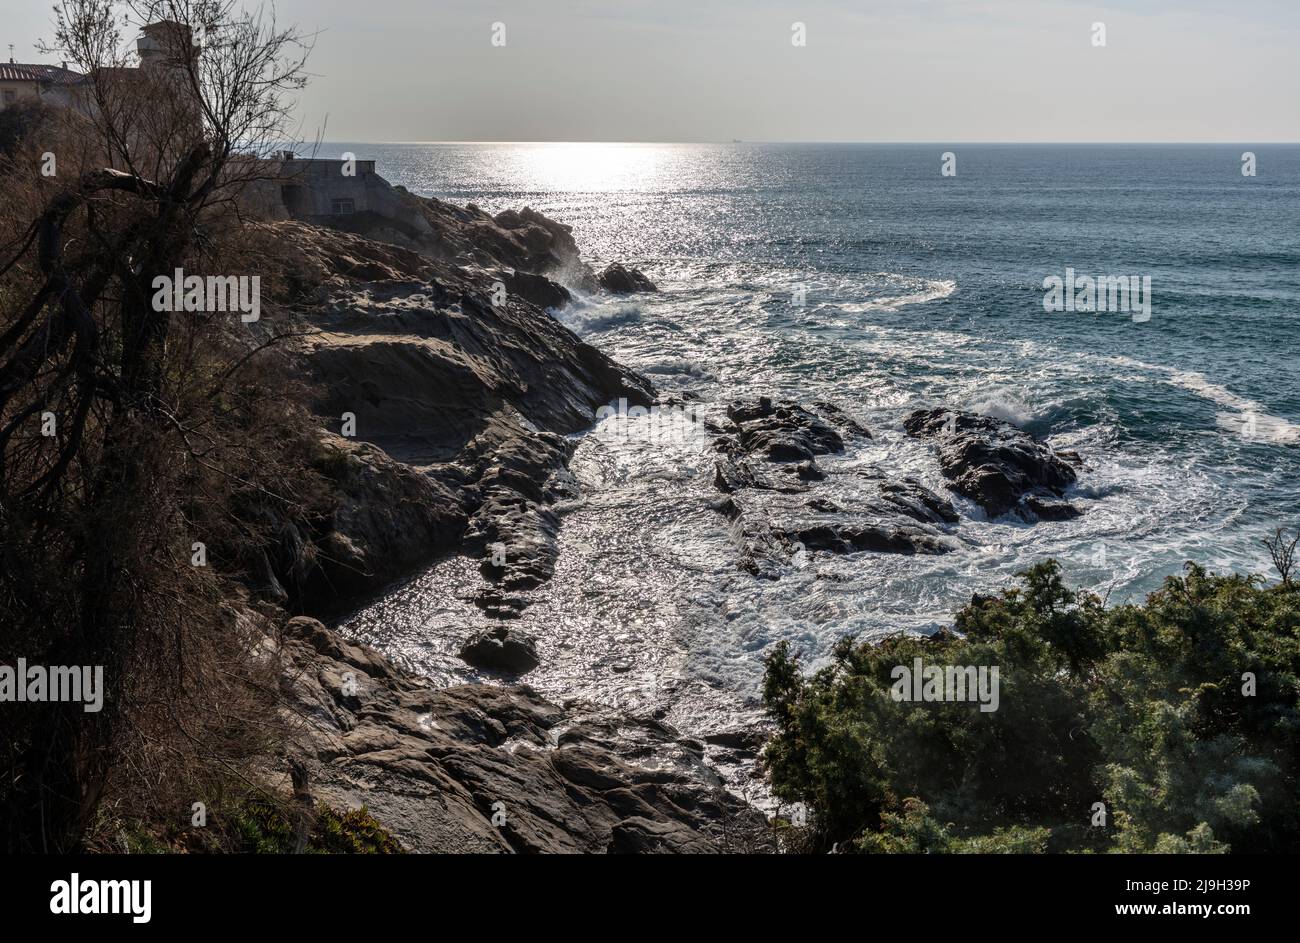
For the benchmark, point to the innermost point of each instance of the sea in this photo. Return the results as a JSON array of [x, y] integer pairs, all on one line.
[[882, 278]]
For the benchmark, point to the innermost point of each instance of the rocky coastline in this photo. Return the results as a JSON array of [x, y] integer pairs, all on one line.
[[447, 390]]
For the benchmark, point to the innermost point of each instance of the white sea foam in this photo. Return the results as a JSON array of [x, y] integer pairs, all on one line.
[[1004, 406], [585, 315], [647, 573], [1247, 418], [914, 291]]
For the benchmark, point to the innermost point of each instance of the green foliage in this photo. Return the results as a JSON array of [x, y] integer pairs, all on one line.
[[916, 831], [271, 828], [245, 822], [1140, 707]]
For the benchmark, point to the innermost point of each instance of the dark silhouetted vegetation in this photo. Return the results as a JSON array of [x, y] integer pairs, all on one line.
[[129, 433]]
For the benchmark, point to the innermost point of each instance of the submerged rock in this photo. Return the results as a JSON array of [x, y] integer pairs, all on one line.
[[618, 280], [1045, 509], [774, 529], [991, 461], [808, 471]]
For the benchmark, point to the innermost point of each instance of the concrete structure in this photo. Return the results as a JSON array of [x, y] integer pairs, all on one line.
[[312, 188], [345, 194]]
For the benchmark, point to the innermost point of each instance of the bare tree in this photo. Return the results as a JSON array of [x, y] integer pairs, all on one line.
[[151, 410], [1283, 553]]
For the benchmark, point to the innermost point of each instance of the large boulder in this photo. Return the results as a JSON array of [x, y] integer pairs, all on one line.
[[501, 649], [993, 462], [787, 432]]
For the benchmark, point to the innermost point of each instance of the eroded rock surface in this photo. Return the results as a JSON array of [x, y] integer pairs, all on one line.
[[996, 464], [782, 502], [483, 768], [445, 378], [448, 391]]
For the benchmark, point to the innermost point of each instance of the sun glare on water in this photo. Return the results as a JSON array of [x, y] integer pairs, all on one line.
[[585, 167]]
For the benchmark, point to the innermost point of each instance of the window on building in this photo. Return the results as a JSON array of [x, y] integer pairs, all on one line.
[[342, 207], [10, 96]]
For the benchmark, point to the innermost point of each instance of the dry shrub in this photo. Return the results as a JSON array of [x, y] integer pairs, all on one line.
[[171, 429]]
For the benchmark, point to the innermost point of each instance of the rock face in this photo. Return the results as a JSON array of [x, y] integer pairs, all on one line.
[[618, 280], [995, 463], [501, 649], [461, 392], [786, 432], [388, 519], [783, 504], [480, 768]]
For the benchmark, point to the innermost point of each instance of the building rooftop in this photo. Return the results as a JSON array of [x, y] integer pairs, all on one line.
[[25, 72]]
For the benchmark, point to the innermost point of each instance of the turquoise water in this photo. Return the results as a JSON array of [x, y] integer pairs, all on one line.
[[917, 289]]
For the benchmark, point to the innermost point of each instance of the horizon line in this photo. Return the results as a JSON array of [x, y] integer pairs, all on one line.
[[1237, 143]]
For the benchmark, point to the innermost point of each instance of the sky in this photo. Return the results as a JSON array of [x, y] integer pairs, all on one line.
[[955, 71]]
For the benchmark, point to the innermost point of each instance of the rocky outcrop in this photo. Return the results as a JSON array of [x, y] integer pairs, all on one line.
[[786, 432], [618, 280], [461, 387], [387, 519], [480, 768], [999, 466], [783, 504], [510, 244]]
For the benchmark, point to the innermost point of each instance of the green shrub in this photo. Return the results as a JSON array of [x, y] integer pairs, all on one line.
[[265, 827], [1139, 707]]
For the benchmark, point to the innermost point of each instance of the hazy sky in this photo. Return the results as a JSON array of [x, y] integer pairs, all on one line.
[[872, 70]]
